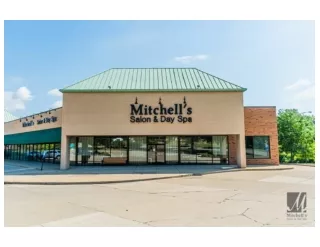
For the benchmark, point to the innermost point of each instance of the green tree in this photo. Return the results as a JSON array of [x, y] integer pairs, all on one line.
[[296, 134]]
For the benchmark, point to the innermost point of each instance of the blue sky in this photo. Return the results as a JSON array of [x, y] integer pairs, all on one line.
[[273, 59]]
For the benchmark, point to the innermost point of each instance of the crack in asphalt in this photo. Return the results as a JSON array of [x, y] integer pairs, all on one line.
[[241, 214], [101, 211], [244, 214], [227, 198], [153, 221]]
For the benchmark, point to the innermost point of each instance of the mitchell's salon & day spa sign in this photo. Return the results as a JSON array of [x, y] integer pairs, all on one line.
[[141, 113]]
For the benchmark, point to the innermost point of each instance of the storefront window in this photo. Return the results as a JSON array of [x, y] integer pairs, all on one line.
[[72, 150], [202, 149], [23, 152], [187, 154], [85, 150], [36, 152], [138, 149], [257, 147], [102, 149], [220, 149], [57, 152], [27, 151], [172, 152], [6, 151], [119, 147], [15, 152]]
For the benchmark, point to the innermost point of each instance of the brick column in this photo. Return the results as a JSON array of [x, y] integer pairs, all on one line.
[[232, 141]]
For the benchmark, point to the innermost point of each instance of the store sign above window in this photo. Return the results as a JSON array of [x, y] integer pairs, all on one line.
[[40, 121], [141, 113]]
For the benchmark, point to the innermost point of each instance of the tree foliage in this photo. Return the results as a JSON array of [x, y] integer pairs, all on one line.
[[296, 135]]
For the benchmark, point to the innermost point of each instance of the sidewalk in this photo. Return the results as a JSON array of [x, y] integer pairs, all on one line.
[[29, 173]]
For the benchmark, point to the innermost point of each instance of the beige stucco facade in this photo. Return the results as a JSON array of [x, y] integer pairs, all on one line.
[[94, 114], [16, 126]]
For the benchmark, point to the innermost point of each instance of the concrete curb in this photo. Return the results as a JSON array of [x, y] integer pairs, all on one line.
[[304, 165], [96, 182], [266, 169], [245, 170], [147, 179]]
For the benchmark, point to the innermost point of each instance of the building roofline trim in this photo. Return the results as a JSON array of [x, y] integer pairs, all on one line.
[[260, 107], [18, 118], [148, 91]]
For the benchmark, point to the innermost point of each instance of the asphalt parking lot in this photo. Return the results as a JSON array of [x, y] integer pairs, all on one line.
[[249, 198]]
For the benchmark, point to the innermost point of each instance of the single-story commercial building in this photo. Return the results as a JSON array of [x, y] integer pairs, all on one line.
[[148, 116]]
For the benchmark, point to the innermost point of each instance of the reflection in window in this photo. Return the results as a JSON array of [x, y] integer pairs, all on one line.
[[172, 153], [202, 149], [187, 154], [249, 147], [72, 150], [220, 149], [258, 147], [85, 150], [119, 147], [138, 149], [156, 140], [57, 153], [261, 147], [102, 149]]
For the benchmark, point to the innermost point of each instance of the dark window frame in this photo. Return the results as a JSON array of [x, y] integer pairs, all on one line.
[[254, 158]]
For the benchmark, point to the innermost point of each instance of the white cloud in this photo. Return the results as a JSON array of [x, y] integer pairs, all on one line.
[[307, 93], [23, 93], [16, 100], [55, 92], [189, 59], [300, 95], [299, 84], [57, 104]]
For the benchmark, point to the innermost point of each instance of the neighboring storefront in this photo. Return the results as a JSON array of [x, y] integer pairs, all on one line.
[[34, 138], [151, 116]]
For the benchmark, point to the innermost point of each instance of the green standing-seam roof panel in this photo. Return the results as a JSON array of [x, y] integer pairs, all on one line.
[[34, 137], [8, 116], [153, 79]]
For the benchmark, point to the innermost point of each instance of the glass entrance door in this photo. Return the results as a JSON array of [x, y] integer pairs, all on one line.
[[156, 153]]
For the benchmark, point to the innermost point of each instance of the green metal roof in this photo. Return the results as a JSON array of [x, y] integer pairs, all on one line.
[[8, 116], [34, 137], [153, 79]]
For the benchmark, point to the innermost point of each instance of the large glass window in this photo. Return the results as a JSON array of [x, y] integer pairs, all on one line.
[[220, 150], [36, 152], [85, 150], [187, 154], [202, 148], [249, 147], [258, 147], [72, 150], [57, 153], [169, 149], [172, 150], [119, 147], [102, 149], [15, 152], [138, 149], [28, 152], [6, 151], [23, 152]]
